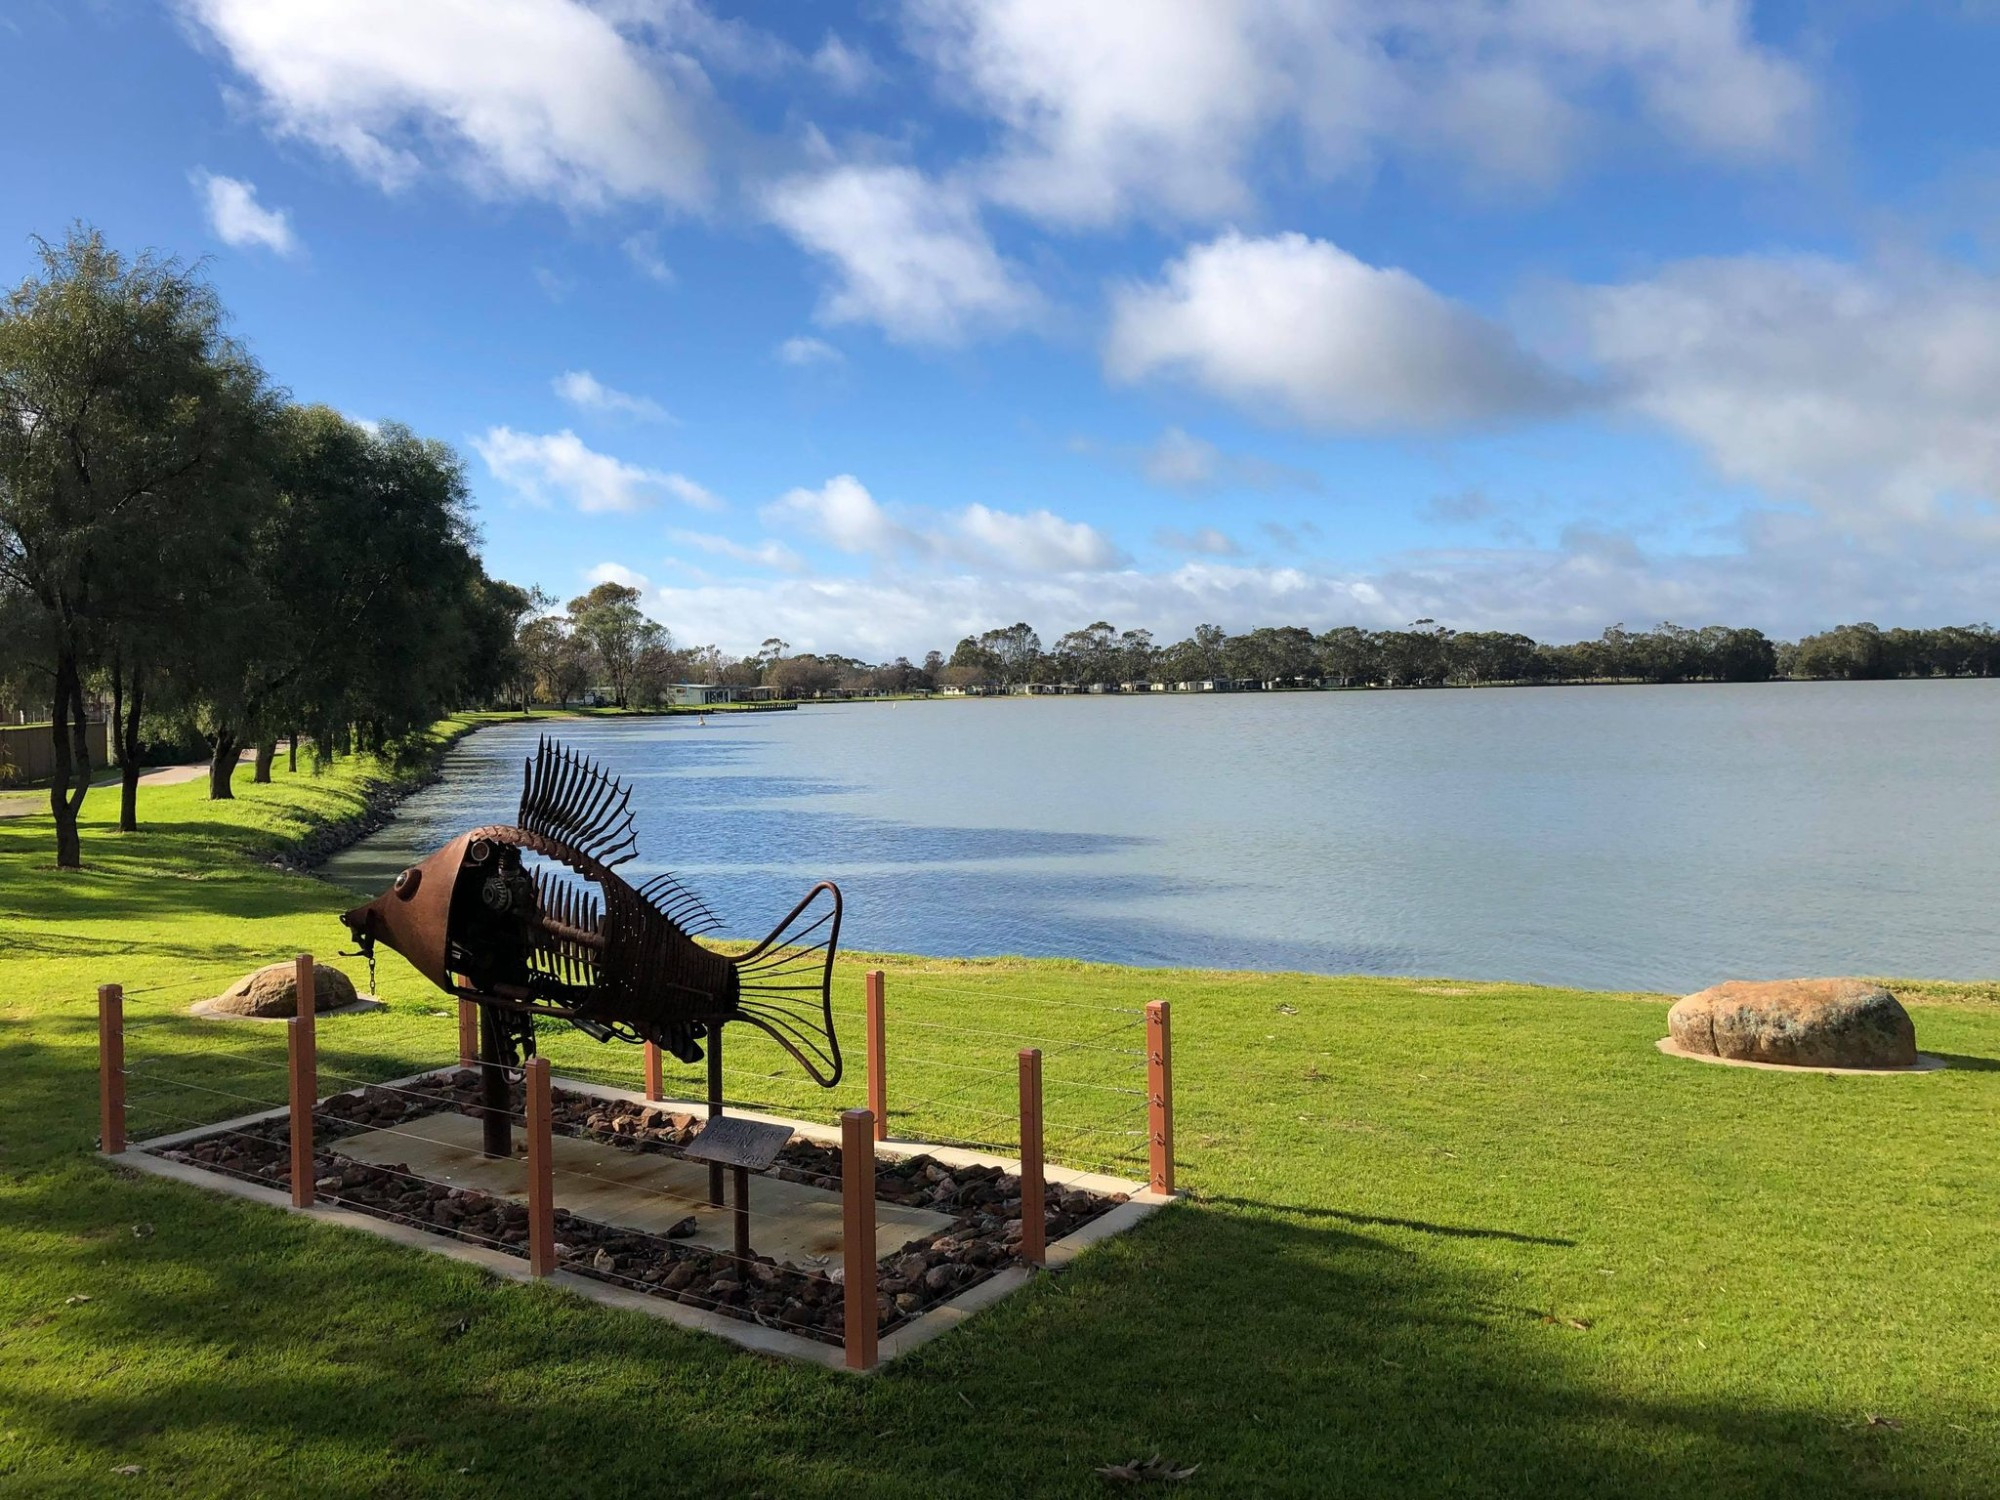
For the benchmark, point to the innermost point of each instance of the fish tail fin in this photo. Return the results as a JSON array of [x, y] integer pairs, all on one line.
[[786, 983]]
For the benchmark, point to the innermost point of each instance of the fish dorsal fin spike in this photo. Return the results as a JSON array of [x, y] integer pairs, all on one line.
[[568, 797], [679, 905]]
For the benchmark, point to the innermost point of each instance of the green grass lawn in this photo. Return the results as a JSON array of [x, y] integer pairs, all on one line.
[[1441, 1238]]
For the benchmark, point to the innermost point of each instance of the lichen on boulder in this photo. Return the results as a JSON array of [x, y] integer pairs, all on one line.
[[1805, 1023], [273, 991]]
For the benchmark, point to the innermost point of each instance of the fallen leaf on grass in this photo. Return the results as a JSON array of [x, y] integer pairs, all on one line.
[[128, 1470], [1146, 1471], [1288, 1010], [142, 1231], [1577, 1323], [1875, 1419], [79, 1297]]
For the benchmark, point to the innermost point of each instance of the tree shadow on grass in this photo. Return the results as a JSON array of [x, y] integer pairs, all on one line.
[[235, 1346], [1378, 1221]]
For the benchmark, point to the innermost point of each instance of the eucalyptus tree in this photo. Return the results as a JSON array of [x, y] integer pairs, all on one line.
[[351, 617], [609, 620], [127, 415]]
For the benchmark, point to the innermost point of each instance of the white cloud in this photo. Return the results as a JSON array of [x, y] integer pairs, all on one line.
[[1039, 541], [768, 554], [528, 98], [582, 389], [803, 350], [908, 253], [1205, 540], [1872, 393], [688, 492], [845, 516], [847, 70], [643, 250], [1159, 106], [842, 514], [1292, 328], [239, 219], [611, 572], [558, 466], [1178, 460]]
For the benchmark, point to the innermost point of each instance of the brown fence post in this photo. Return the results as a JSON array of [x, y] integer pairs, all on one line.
[[468, 1034], [655, 1087], [857, 1201], [1160, 1093], [878, 1052], [541, 1170], [1034, 1219], [301, 1035], [111, 1068]]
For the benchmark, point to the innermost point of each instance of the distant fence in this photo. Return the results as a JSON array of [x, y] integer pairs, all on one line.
[[28, 752]]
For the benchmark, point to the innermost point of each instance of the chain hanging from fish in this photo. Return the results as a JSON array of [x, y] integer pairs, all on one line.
[[580, 944]]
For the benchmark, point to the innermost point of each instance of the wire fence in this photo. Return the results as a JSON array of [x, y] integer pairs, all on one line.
[[393, 1138]]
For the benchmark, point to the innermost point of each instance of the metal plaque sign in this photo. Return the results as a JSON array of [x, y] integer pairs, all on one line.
[[737, 1142]]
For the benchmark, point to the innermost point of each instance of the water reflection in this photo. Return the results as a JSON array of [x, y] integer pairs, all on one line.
[[1623, 838]]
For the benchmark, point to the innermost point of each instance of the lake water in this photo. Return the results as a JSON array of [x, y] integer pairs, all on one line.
[[1610, 837]]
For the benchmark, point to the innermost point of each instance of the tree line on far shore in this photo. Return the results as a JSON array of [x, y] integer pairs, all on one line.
[[1425, 654]]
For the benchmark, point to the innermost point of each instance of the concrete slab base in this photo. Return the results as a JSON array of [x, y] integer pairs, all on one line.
[[1925, 1063], [789, 1221], [939, 1319]]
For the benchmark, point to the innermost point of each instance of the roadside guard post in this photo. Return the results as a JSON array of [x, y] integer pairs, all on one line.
[[1034, 1222], [541, 1169], [111, 1068], [857, 1195], [878, 1054], [1160, 1093]]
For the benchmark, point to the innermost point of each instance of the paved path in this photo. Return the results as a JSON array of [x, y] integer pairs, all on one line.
[[27, 804]]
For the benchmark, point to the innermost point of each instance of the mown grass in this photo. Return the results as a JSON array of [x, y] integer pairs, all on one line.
[[1442, 1238]]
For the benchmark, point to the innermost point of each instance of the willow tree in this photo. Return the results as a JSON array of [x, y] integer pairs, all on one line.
[[124, 407]]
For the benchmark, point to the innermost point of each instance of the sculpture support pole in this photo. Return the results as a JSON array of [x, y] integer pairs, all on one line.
[[742, 1175], [468, 1034], [857, 1239], [496, 1132], [1034, 1219], [654, 1084], [715, 1107], [111, 1068], [878, 1066]]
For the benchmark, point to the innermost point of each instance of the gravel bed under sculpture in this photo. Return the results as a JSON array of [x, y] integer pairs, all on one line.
[[984, 1202]]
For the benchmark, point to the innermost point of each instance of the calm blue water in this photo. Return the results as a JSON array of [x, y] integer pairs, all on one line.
[[1655, 838]]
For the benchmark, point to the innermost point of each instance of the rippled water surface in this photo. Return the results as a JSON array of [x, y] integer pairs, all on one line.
[[1655, 838]]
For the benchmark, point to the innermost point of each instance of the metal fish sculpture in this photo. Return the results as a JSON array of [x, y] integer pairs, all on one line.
[[586, 947]]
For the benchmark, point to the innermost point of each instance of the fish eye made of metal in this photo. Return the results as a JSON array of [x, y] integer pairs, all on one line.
[[612, 959]]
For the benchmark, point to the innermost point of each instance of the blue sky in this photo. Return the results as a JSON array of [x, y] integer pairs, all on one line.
[[869, 326]]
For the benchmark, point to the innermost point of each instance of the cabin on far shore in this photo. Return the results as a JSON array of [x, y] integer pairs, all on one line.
[[702, 694]]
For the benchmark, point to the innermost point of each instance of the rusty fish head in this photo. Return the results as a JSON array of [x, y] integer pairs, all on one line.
[[414, 915]]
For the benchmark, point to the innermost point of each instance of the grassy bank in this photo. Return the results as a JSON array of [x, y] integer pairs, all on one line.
[[1444, 1238]]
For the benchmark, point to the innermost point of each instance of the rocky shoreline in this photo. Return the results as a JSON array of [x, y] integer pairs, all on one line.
[[378, 809], [983, 1202]]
